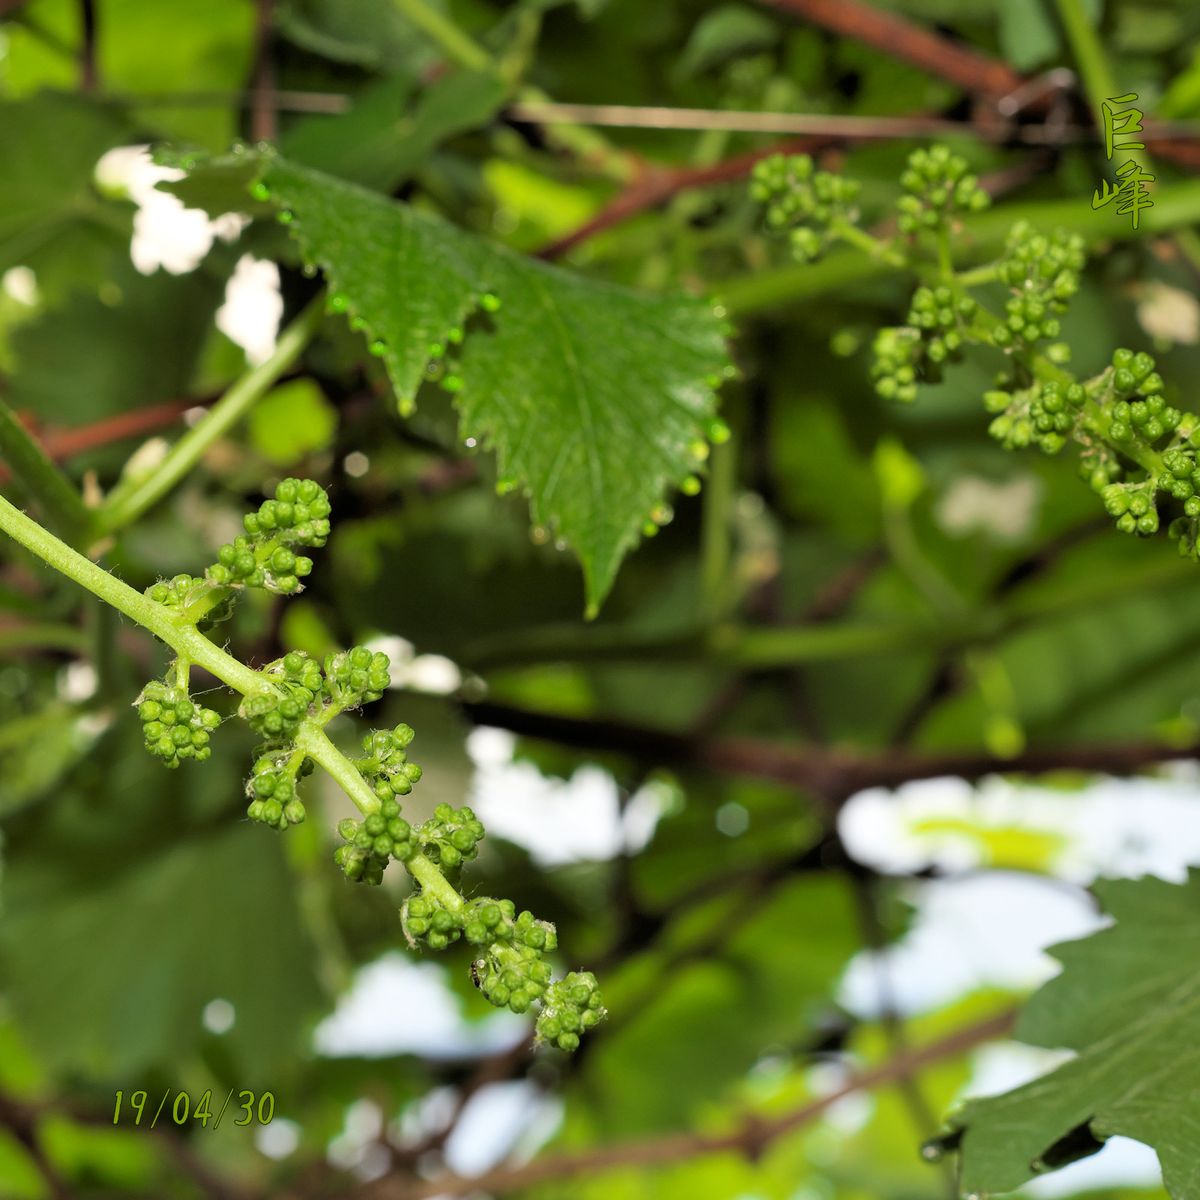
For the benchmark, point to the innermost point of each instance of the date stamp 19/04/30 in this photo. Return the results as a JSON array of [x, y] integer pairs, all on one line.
[[176, 1107]]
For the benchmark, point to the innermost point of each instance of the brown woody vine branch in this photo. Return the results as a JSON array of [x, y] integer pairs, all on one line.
[[62, 444], [975, 73], [830, 774], [751, 1137], [987, 79]]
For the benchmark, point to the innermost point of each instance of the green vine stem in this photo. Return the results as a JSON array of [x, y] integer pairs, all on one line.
[[133, 497], [786, 646], [1090, 58], [1175, 206], [184, 639]]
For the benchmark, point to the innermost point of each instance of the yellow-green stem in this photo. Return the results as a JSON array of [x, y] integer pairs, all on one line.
[[131, 498], [185, 640]]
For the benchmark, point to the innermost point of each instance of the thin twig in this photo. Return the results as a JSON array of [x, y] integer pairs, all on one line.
[[842, 127], [822, 771], [893, 35], [990, 80], [656, 185], [264, 121], [63, 444], [750, 1137], [88, 75], [284, 100]]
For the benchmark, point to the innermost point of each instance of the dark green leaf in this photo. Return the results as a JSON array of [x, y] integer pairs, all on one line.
[[1128, 1002], [110, 971], [595, 399], [52, 219]]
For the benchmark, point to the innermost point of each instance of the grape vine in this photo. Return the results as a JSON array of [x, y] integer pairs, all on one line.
[[1135, 449]]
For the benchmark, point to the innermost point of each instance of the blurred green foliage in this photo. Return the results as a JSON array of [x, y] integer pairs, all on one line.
[[777, 605]]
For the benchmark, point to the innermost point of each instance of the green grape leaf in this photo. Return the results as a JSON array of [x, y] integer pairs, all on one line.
[[109, 966], [1128, 1002], [596, 399]]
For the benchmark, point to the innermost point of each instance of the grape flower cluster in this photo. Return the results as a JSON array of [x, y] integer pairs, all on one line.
[[1137, 450], [175, 727], [811, 206], [938, 186], [287, 704], [265, 555]]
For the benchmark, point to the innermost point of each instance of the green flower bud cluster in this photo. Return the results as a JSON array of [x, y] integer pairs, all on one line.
[[895, 365], [386, 766], [298, 674], [938, 185], [174, 726], [273, 716], [355, 676], [940, 316], [513, 980], [1134, 374], [1013, 428], [571, 1005], [1098, 465], [276, 713], [425, 920], [934, 335], [1043, 272], [1029, 319], [373, 842], [803, 200], [1181, 478], [1054, 412], [279, 699], [1185, 531], [1132, 504], [177, 592], [487, 921], [264, 556], [1145, 421], [272, 789], [182, 593], [451, 836], [1047, 265], [512, 972]]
